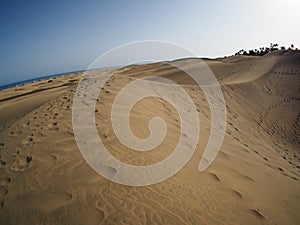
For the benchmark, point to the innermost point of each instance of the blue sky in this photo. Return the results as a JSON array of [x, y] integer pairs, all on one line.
[[49, 37]]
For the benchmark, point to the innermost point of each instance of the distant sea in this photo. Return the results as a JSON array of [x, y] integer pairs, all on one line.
[[20, 83]]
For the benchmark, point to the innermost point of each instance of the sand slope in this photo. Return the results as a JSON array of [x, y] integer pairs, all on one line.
[[254, 180]]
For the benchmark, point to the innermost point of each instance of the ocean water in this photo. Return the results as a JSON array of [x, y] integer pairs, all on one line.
[[20, 83]]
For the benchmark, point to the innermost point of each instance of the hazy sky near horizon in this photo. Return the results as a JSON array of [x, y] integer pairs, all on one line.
[[48, 37]]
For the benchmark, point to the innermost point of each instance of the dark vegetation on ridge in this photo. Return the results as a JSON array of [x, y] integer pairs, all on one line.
[[264, 50]]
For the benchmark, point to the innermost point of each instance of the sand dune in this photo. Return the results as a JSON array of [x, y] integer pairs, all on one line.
[[255, 178]]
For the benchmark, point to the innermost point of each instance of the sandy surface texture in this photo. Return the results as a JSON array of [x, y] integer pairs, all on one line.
[[255, 178]]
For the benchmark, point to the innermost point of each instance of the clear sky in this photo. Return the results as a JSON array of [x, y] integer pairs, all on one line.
[[48, 37]]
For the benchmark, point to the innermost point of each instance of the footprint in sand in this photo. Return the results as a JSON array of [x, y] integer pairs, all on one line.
[[264, 158], [246, 145], [237, 194], [223, 155], [28, 141], [3, 190], [5, 181], [2, 163], [11, 134], [15, 154], [53, 125], [236, 138], [21, 163], [280, 169], [214, 176], [256, 152], [257, 214]]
